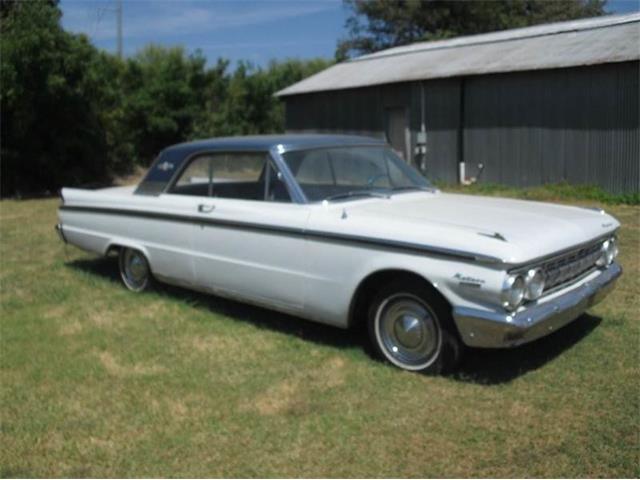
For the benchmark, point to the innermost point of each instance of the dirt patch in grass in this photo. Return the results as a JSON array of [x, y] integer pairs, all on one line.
[[294, 395], [102, 318], [281, 398], [116, 368], [178, 409], [245, 347], [213, 343], [72, 328], [333, 374]]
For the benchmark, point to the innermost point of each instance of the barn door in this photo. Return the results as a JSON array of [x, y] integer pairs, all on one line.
[[397, 129]]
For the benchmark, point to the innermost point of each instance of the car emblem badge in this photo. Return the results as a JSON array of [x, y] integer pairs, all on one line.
[[164, 166], [468, 281]]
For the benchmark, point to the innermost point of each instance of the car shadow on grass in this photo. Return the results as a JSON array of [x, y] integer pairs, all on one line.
[[480, 366], [258, 316], [495, 366]]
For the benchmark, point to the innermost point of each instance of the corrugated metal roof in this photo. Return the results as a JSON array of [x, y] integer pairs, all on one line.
[[566, 44]]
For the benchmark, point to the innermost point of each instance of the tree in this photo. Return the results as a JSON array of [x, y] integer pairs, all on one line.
[[51, 118], [379, 24], [164, 95], [243, 103]]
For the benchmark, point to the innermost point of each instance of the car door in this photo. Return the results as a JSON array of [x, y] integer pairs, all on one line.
[[175, 236], [249, 241]]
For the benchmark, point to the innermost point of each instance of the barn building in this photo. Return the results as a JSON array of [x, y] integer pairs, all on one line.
[[544, 104]]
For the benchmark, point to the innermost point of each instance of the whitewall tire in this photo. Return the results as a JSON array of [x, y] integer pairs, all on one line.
[[134, 270]]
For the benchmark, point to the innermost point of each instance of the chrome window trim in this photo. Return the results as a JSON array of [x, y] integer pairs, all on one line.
[[295, 191], [298, 148], [279, 150], [270, 162]]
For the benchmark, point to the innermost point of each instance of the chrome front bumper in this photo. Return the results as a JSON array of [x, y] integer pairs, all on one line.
[[486, 329]]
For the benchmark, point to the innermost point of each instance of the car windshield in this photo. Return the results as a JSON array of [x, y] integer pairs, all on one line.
[[338, 173]]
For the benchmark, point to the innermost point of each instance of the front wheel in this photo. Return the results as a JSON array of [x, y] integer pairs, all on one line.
[[411, 327], [134, 270]]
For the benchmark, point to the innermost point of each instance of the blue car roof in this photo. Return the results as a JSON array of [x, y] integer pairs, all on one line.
[[266, 142], [172, 158]]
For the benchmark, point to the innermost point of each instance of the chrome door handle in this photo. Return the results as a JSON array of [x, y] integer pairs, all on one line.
[[203, 208]]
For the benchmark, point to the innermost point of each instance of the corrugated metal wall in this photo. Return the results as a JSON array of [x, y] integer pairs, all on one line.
[[355, 112], [362, 112], [578, 125], [442, 121]]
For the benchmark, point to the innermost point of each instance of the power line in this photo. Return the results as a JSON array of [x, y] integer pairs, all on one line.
[[119, 20], [117, 9]]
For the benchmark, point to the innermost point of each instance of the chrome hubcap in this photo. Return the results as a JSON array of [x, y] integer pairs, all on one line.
[[408, 331], [136, 269]]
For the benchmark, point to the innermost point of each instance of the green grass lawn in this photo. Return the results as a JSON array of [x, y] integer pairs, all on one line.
[[98, 381]]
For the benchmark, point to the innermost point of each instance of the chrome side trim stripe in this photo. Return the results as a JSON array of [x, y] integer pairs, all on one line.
[[315, 235]]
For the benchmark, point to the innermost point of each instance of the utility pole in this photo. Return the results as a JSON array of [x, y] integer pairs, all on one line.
[[119, 21]]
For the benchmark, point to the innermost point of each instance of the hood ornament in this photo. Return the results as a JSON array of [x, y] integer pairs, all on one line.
[[595, 209], [495, 235]]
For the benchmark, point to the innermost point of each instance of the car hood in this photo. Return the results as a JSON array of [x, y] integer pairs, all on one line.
[[516, 231]]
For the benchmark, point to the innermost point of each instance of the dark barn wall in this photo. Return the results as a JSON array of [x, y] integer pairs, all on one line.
[[578, 125], [355, 112], [442, 102]]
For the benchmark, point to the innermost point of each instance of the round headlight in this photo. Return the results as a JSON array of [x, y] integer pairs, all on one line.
[[513, 292], [603, 259], [612, 250], [534, 284], [608, 252]]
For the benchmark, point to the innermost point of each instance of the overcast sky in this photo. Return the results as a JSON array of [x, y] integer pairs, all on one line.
[[255, 30]]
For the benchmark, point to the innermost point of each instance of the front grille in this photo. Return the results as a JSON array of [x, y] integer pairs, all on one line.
[[562, 270]]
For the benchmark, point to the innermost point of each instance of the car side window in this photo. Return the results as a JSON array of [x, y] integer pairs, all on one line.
[[196, 178], [239, 175]]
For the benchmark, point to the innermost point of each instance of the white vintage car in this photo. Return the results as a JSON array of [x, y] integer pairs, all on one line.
[[340, 230]]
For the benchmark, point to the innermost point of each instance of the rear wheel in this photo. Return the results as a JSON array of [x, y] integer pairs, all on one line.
[[134, 270], [411, 327]]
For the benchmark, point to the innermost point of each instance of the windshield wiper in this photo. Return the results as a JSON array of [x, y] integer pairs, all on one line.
[[356, 193]]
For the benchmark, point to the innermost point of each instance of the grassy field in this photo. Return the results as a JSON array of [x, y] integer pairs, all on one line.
[[97, 381]]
